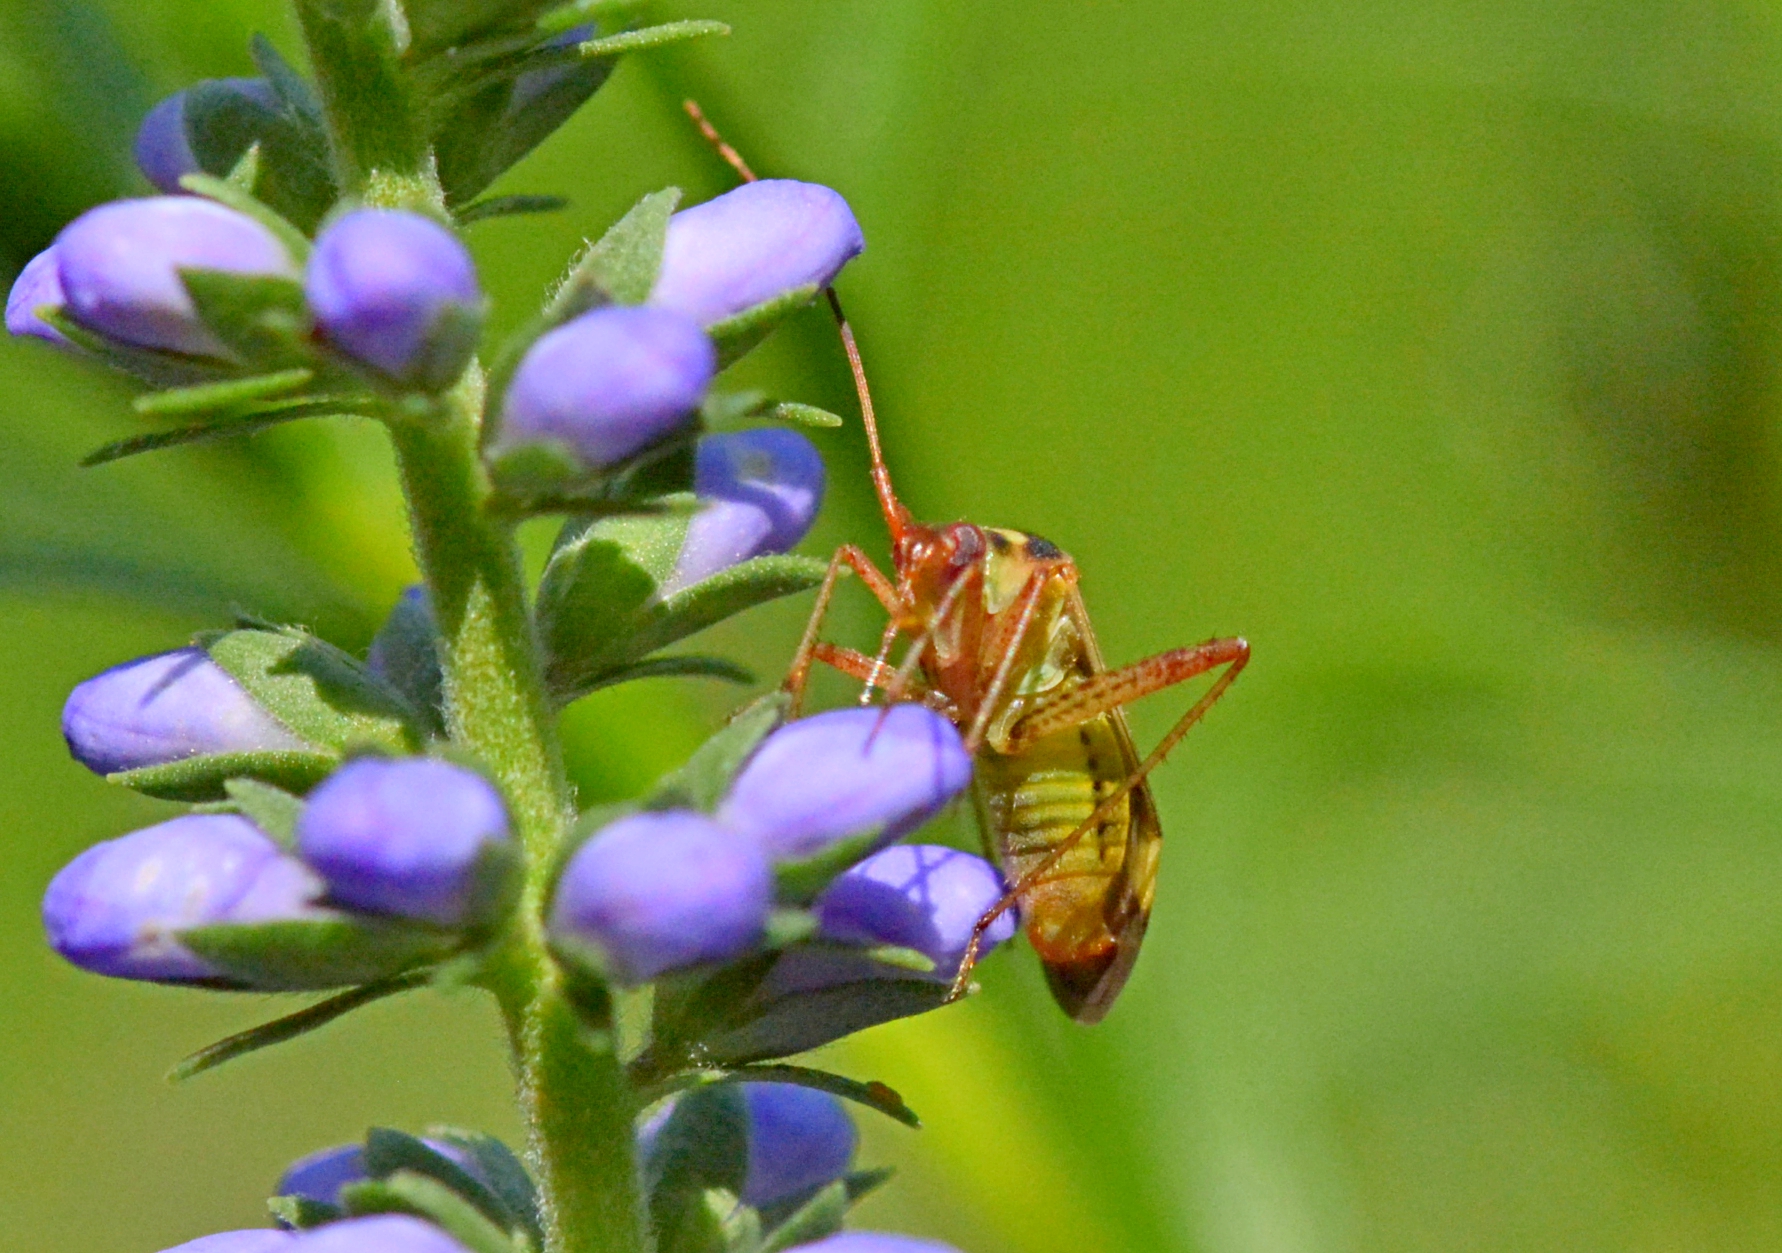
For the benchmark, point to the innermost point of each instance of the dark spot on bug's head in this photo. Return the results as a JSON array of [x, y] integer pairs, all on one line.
[[999, 541], [1043, 549]]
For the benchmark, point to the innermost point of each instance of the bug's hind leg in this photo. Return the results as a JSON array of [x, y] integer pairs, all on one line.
[[1107, 691], [1111, 689]]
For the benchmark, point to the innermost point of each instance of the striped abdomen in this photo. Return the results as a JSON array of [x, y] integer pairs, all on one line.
[[1030, 803]]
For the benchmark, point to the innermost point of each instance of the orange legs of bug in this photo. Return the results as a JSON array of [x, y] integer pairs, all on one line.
[[1107, 691], [811, 649]]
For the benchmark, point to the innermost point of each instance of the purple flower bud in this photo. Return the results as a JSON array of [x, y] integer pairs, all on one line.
[[120, 267], [38, 284], [253, 1240], [609, 383], [918, 896], [117, 908], [799, 1139], [762, 489], [382, 281], [416, 838], [844, 773], [872, 1242], [656, 891], [386, 1233], [753, 244], [165, 708], [321, 1175], [163, 149]]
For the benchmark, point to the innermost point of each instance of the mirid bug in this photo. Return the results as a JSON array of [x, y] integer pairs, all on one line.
[[1000, 642]]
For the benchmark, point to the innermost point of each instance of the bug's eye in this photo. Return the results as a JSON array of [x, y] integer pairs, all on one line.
[[968, 546]]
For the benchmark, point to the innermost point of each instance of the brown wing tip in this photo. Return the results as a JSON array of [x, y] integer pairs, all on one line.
[[1087, 987]]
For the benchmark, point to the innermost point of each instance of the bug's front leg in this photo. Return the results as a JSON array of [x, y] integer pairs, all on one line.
[[846, 558]]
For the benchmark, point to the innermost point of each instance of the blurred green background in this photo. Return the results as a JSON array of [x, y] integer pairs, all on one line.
[[1433, 347]]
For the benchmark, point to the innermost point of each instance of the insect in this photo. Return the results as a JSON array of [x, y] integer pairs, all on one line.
[[1000, 642]]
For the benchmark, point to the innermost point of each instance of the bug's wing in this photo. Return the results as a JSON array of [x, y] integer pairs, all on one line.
[[1086, 989]]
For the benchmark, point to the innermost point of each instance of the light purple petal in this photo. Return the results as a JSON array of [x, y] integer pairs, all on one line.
[[120, 267], [753, 244], [166, 708], [609, 383]]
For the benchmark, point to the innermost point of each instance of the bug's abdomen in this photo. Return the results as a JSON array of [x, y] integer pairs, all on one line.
[[1030, 803]]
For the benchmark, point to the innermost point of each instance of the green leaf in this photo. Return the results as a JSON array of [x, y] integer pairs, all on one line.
[[274, 810], [799, 882], [726, 409], [585, 639], [159, 369], [327, 951], [703, 1144], [290, 175], [488, 125], [205, 432], [508, 206], [795, 414], [407, 1192], [291, 1026], [292, 88], [302, 1212], [228, 394], [262, 318], [650, 37], [818, 1217], [596, 588], [388, 1152], [689, 666], [873, 1095], [506, 1176], [226, 193], [701, 783], [787, 927], [206, 778], [406, 653], [862, 1183], [321, 693], [736, 335], [799, 1023], [621, 266]]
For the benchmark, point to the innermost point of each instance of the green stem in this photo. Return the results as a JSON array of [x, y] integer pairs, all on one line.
[[578, 1107], [572, 1091]]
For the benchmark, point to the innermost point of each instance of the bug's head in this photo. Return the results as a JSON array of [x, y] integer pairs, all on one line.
[[930, 559]]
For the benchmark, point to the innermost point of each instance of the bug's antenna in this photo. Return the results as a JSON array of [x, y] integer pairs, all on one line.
[[897, 518]]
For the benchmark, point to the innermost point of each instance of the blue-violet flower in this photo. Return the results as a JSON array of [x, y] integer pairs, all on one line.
[[320, 1176], [656, 891], [415, 837], [38, 285], [118, 908], [846, 773], [165, 708], [609, 383], [395, 290], [120, 266], [164, 149], [753, 244], [799, 1139], [924, 897], [760, 491]]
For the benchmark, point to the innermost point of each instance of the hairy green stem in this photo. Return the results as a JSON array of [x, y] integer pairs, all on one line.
[[572, 1090], [573, 1093]]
